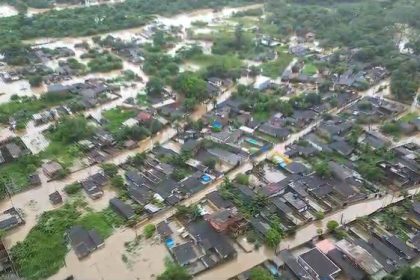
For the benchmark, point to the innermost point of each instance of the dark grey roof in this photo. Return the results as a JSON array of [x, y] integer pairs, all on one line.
[[55, 197], [295, 201], [246, 192], [184, 253], [281, 206], [8, 222], [401, 248], [193, 183], [296, 168], [320, 263], [84, 242], [122, 208], [349, 269], [163, 229], [218, 200], [139, 194], [386, 251], [342, 147], [208, 238], [294, 266], [260, 226]]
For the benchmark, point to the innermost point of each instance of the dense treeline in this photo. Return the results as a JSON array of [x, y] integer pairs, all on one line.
[[96, 19], [373, 29]]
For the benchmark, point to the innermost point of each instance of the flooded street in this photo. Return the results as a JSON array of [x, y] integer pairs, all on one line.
[[34, 202], [246, 261]]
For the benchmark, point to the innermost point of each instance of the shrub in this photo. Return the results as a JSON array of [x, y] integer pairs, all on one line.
[[332, 225], [72, 188], [149, 230]]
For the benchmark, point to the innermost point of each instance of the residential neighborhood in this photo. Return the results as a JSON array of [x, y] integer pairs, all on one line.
[[182, 140]]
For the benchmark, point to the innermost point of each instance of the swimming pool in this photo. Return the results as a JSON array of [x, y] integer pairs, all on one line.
[[170, 243], [205, 178]]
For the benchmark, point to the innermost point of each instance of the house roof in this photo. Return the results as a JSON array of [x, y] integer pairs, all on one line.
[[348, 267], [139, 194], [184, 253], [295, 201], [296, 168], [320, 263], [122, 208], [260, 226], [222, 219], [163, 229], [342, 147], [55, 197], [208, 238], [83, 241], [400, 247], [281, 206], [294, 266], [386, 251], [273, 188], [218, 200]]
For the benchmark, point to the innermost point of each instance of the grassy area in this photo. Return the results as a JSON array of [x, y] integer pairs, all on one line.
[[64, 153], [43, 251], [18, 171], [409, 117], [274, 69], [22, 108], [115, 118], [309, 69], [261, 116]]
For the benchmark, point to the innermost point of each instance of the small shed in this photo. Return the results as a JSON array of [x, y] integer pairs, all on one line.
[[56, 198]]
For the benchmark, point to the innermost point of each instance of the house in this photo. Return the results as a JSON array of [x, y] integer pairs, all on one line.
[[350, 269], [209, 239], [13, 150], [273, 189], [93, 185], [123, 209], [296, 168], [143, 116], [55, 198], [10, 219], [399, 246], [342, 147], [52, 169], [185, 253], [163, 230], [84, 242], [34, 179], [260, 225], [296, 203], [318, 264], [294, 266], [218, 201], [226, 220], [131, 122], [141, 195], [225, 156], [278, 132], [362, 258]]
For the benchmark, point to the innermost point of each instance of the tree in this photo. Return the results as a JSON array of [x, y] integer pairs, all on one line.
[[149, 230], [259, 273], [322, 169], [117, 182], [72, 188], [332, 225], [154, 86], [174, 272], [110, 169], [405, 273], [272, 238], [191, 85], [242, 179]]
